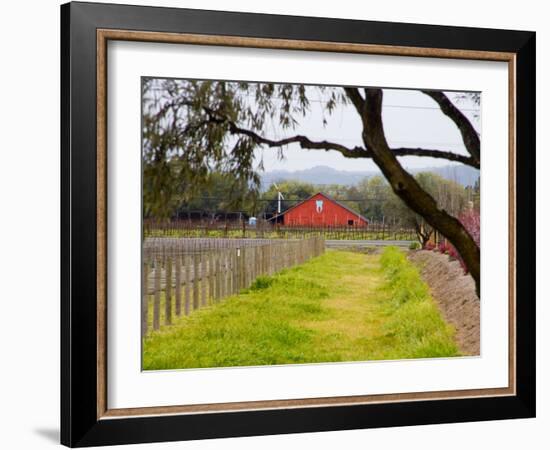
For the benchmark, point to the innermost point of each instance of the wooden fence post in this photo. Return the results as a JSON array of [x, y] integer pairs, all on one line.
[[168, 290], [187, 272], [218, 277], [145, 300], [195, 281], [211, 275], [242, 268], [235, 254], [178, 284], [223, 291], [156, 305], [246, 260], [203, 278], [231, 255]]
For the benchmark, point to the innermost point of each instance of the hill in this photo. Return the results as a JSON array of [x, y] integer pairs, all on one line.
[[320, 175]]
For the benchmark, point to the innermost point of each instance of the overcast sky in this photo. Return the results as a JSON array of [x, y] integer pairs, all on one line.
[[411, 119]]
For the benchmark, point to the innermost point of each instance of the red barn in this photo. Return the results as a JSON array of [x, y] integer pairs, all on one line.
[[321, 211]]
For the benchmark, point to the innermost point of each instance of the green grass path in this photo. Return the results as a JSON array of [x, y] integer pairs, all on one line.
[[341, 306]]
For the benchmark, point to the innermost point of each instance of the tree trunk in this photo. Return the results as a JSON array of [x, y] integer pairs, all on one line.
[[426, 239], [406, 187], [423, 234]]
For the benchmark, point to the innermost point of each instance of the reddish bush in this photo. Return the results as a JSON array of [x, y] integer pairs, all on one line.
[[429, 246], [471, 221], [443, 247]]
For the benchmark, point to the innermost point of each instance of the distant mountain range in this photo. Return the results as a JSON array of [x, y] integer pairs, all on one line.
[[320, 175]]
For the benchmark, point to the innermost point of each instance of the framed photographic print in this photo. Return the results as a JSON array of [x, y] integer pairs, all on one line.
[[277, 224]]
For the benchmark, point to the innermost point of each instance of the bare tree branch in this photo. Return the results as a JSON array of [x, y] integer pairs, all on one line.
[[305, 143], [442, 154], [468, 132], [355, 152]]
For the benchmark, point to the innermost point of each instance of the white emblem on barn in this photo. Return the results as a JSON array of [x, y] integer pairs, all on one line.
[[319, 205]]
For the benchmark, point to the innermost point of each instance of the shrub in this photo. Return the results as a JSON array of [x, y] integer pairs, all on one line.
[[262, 282], [414, 246]]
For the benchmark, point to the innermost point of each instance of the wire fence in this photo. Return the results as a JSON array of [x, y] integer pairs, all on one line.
[[266, 230], [182, 275]]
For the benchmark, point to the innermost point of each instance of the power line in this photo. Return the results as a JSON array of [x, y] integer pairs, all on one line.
[[358, 142], [382, 197], [340, 102]]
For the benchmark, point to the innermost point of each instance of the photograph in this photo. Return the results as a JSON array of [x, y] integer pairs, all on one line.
[[288, 223]]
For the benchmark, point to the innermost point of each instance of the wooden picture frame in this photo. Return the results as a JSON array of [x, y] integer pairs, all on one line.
[[85, 416]]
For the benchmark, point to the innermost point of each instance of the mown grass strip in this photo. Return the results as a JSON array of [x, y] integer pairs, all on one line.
[[341, 306]]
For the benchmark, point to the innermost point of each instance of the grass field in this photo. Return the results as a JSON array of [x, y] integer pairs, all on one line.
[[341, 306]]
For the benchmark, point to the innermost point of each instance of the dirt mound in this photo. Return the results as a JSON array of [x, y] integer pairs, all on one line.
[[455, 294]]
